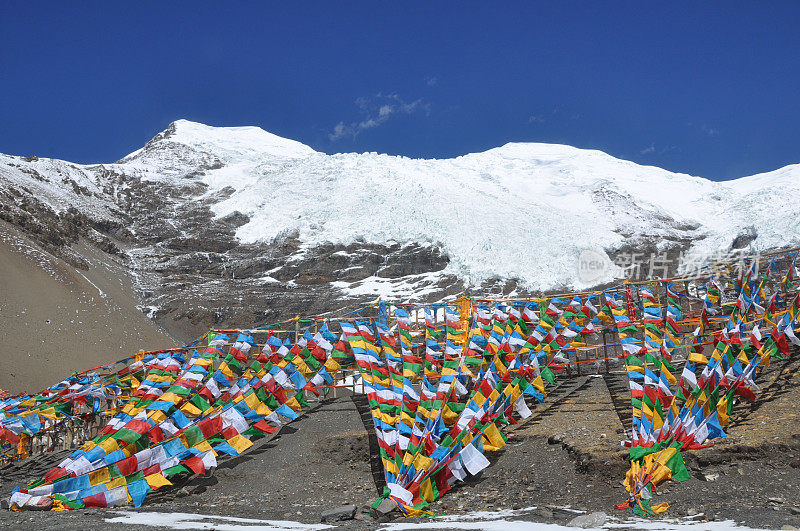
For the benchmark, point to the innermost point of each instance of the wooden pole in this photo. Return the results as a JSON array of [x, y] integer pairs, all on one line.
[[613, 331], [569, 365], [688, 299], [658, 292]]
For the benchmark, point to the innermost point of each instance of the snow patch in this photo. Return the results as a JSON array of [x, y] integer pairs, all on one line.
[[203, 521], [101, 292], [149, 311], [403, 288], [513, 520]]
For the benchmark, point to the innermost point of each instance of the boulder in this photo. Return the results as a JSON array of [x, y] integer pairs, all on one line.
[[385, 507], [338, 514], [589, 521]]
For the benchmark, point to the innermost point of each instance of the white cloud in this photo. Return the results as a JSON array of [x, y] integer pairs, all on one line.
[[667, 149], [710, 131], [376, 111], [649, 149], [431, 80], [339, 131], [536, 119]]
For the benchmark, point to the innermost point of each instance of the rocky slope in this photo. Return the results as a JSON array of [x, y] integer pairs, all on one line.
[[236, 225]]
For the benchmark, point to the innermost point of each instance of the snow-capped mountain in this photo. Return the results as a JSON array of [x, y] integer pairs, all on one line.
[[234, 223]]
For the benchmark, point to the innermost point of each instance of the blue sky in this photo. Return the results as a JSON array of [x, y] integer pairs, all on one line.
[[707, 88]]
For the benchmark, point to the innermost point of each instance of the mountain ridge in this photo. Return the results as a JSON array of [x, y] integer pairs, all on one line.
[[565, 148], [171, 131]]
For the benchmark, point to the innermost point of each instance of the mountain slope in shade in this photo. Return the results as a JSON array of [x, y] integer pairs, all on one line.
[[223, 225]]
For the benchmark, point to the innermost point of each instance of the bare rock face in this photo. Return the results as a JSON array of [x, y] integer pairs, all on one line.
[[744, 238]]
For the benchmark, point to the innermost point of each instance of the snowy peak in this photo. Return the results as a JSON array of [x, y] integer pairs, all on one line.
[[206, 146], [541, 151], [233, 143], [780, 180]]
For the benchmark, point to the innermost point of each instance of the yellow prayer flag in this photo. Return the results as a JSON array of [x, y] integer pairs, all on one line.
[[670, 377], [108, 445], [696, 357], [492, 435], [426, 491], [118, 482], [157, 480], [538, 383], [390, 466], [97, 477], [294, 404], [422, 462], [171, 397], [239, 443], [190, 409]]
